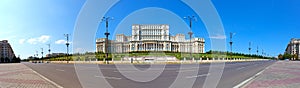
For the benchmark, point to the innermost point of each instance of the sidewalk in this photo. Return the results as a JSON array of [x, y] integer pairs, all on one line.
[[282, 74], [17, 75]]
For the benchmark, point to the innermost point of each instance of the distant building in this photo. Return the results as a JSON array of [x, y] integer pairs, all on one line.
[[151, 37], [6, 52], [293, 48]]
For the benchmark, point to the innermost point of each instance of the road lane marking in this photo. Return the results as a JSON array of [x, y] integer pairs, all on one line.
[[242, 84], [128, 71], [197, 76], [185, 70], [58, 86], [59, 70], [240, 68], [108, 77]]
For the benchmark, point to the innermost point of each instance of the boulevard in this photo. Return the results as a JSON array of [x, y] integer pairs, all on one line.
[[234, 73]]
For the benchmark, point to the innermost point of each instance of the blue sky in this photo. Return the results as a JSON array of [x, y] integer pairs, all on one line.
[[31, 24]]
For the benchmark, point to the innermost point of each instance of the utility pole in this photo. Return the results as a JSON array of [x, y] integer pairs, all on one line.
[[106, 19], [190, 19], [67, 44]]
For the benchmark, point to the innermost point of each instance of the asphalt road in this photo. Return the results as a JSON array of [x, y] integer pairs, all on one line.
[[173, 75]]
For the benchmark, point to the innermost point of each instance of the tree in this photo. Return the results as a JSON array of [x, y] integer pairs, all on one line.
[[6, 60], [16, 60], [1, 59], [295, 56], [287, 56], [280, 57]]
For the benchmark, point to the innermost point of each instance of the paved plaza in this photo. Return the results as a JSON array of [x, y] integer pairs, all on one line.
[[17, 75], [282, 74], [66, 76]]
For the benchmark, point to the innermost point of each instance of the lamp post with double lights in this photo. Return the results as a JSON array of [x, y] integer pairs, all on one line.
[[231, 42], [249, 48], [42, 53], [67, 44], [190, 33], [257, 51], [37, 54], [106, 19], [263, 53], [190, 19], [49, 50]]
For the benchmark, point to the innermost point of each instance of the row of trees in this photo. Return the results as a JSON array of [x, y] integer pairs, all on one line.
[[101, 56], [238, 54], [8, 60], [288, 56], [49, 58]]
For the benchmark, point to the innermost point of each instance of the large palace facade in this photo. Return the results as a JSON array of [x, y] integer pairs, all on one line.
[[151, 38]]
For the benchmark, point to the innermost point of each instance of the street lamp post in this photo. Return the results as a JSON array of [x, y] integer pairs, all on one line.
[[49, 50], [190, 33], [257, 51], [67, 44], [231, 35], [106, 19], [262, 53], [37, 54], [42, 53], [249, 48], [190, 19]]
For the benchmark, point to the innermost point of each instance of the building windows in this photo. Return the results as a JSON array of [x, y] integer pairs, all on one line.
[[158, 39], [132, 47]]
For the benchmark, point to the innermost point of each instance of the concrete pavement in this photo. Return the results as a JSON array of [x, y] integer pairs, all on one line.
[[17, 75], [282, 74], [62, 74], [65, 74]]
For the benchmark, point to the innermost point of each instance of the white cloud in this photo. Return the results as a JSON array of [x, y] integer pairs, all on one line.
[[60, 42], [32, 41], [218, 37], [44, 38], [22, 41], [41, 39]]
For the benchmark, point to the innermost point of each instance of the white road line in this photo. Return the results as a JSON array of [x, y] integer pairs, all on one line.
[[192, 68], [86, 67], [59, 70], [185, 70], [240, 68], [58, 86], [197, 76], [249, 79], [81, 68], [108, 77]]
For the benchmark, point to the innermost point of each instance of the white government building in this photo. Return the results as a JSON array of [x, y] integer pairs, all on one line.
[[293, 48], [151, 37]]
